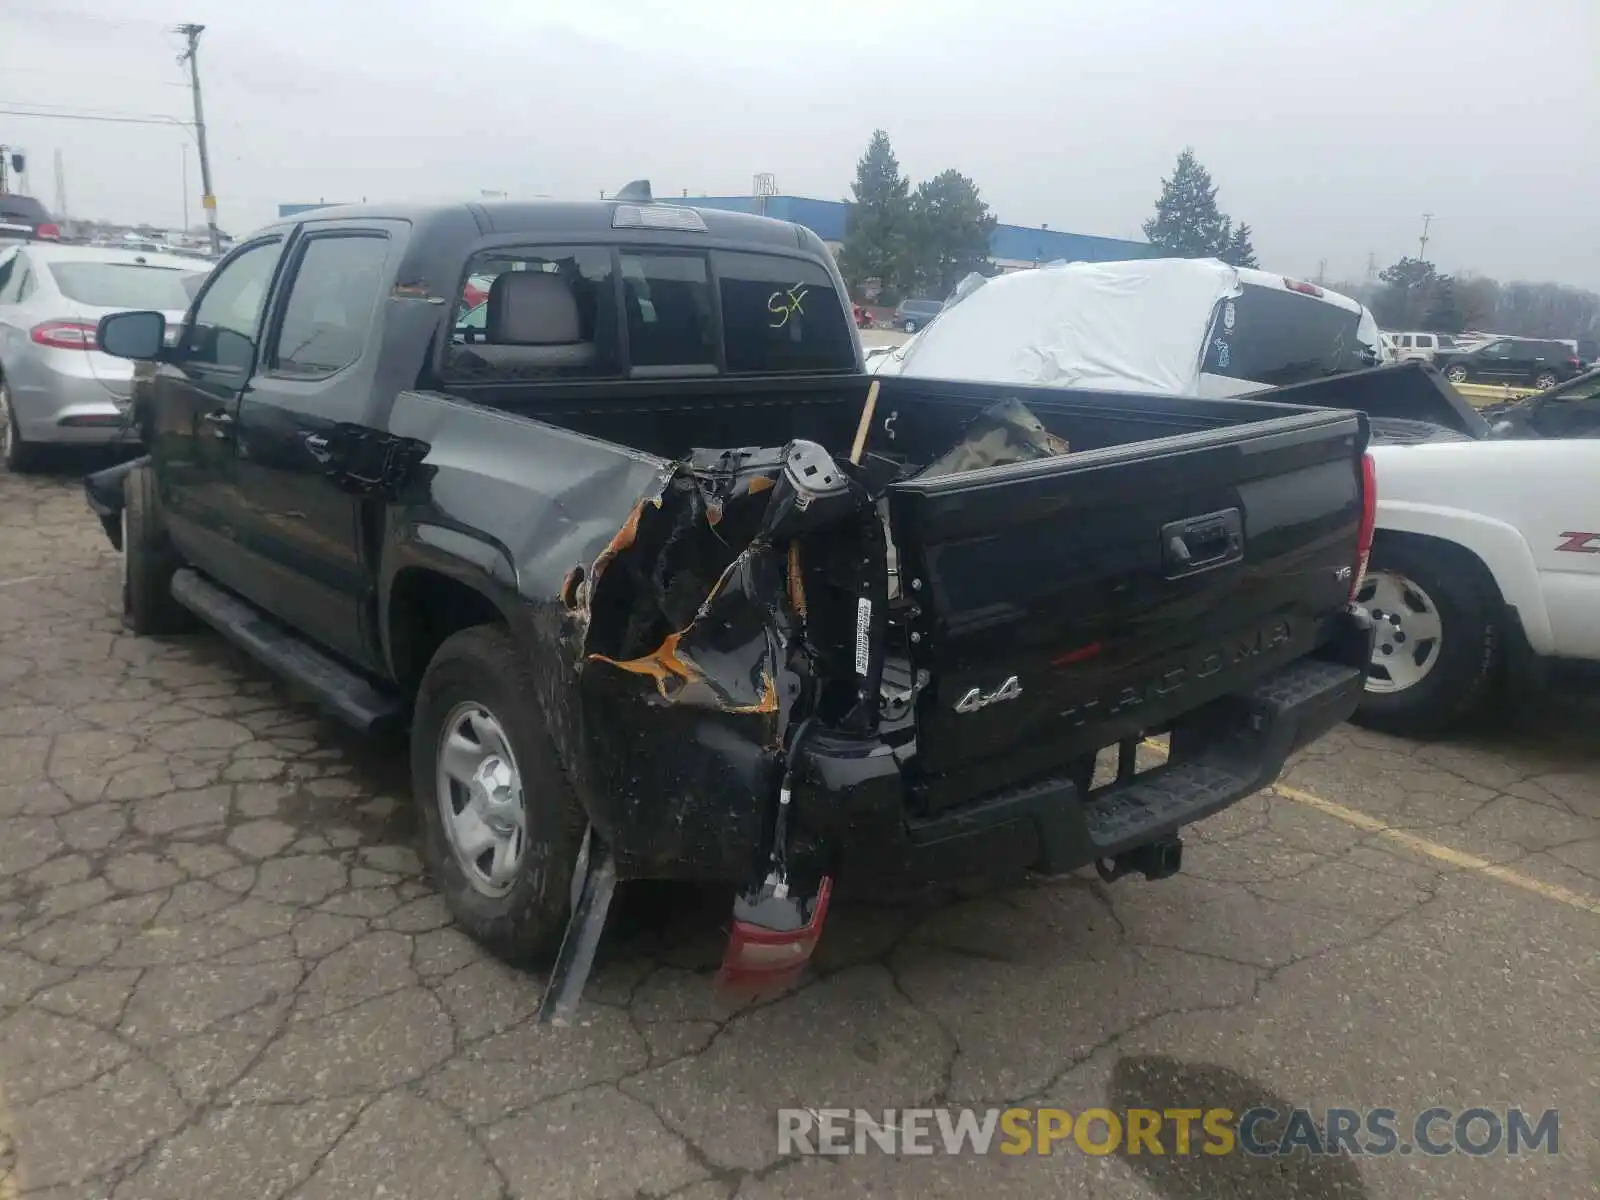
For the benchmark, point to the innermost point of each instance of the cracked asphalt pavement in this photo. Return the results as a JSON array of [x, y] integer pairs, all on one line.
[[224, 976]]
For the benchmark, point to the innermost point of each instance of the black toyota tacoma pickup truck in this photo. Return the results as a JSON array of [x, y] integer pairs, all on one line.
[[665, 586]]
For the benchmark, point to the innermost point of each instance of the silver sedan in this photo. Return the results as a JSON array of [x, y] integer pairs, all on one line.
[[55, 385]]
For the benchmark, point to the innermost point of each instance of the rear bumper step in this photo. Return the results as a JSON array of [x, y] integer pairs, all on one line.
[[341, 691], [1219, 754]]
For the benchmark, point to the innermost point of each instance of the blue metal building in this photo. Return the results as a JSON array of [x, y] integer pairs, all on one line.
[[1012, 247]]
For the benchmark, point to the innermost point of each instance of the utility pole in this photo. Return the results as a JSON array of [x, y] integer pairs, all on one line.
[[209, 200], [61, 193], [1422, 248], [185, 150], [1372, 266], [1322, 270]]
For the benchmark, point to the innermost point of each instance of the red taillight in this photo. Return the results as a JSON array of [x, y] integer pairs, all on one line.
[[63, 335], [1305, 289], [48, 233], [759, 961], [1574, 362], [1369, 521]]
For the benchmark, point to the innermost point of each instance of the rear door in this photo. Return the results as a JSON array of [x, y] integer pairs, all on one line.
[[194, 401], [299, 530], [1065, 603]]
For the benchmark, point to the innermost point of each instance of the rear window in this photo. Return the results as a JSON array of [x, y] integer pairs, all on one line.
[[1277, 338], [126, 285], [782, 314], [667, 300], [672, 312]]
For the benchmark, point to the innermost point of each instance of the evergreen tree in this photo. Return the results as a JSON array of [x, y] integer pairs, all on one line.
[[1187, 223], [876, 243], [1238, 251], [950, 230]]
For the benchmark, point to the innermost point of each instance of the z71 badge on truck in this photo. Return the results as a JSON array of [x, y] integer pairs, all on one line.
[[665, 590]]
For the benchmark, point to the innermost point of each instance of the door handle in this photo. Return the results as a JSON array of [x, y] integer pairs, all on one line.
[[221, 422], [1200, 543]]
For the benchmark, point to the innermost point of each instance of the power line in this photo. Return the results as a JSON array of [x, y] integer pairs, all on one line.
[[96, 117]]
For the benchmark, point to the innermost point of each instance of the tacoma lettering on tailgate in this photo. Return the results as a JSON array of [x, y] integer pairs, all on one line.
[[1204, 666]]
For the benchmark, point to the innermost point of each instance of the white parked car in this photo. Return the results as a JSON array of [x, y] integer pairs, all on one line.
[[1189, 327]]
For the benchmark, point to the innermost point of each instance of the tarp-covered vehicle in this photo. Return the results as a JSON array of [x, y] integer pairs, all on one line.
[[665, 586]]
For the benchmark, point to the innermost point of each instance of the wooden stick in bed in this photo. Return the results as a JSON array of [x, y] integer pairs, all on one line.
[[866, 423]]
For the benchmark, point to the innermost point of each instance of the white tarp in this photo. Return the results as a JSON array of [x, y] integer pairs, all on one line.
[[1122, 326]]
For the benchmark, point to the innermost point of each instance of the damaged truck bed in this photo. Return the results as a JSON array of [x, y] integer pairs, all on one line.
[[735, 622]]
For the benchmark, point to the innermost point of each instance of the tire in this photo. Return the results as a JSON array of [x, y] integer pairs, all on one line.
[[522, 918], [18, 456], [149, 561], [1456, 374], [1545, 379], [910, 326], [1414, 691]]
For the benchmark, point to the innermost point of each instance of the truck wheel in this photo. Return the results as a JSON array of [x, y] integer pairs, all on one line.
[[1456, 374], [1545, 379], [501, 825], [148, 561], [1438, 638], [18, 455]]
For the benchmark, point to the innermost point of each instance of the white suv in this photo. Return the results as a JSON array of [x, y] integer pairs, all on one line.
[[1423, 346]]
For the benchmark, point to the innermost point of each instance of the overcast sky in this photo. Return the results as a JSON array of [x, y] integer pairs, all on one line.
[[1330, 126]]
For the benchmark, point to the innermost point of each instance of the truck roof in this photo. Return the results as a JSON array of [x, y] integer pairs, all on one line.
[[565, 218]]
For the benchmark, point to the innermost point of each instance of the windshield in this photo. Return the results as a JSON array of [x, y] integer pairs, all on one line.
[[126, 285]]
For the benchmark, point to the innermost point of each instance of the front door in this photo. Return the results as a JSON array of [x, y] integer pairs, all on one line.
[[1496, 362], [194, 403], [300, 530]]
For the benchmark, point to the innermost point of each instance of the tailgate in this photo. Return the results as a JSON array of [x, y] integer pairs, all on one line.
[[1065, 603]]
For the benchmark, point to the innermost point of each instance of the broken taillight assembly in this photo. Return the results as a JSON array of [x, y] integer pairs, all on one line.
[[1369, 522], [771, 940]]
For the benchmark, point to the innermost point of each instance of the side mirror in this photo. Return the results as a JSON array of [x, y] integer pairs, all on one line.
[[136, 335]]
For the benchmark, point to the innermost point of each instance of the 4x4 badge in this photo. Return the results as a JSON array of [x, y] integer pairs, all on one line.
[[977, 698]]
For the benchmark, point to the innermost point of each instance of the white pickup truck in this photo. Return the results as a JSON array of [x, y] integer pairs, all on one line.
[[1486, 567]]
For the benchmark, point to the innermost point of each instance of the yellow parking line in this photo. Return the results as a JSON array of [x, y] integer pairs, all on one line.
[[1430, 849]]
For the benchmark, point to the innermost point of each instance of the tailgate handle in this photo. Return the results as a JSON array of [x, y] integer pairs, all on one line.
[[1200, 543]]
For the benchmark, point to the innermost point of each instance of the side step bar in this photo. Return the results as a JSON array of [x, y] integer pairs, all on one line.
[[343, 693]]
